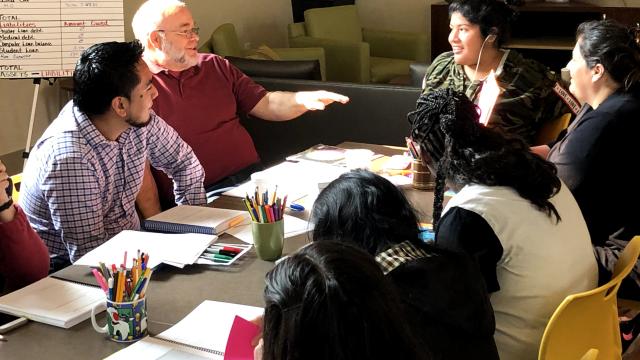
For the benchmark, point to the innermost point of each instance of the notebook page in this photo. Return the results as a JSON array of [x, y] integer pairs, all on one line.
[[209, 324]]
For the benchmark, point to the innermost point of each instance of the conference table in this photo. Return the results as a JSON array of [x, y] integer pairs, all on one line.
[[173, 293]]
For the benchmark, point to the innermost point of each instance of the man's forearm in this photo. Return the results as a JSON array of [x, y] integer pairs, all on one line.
[[148, 201], [282, 105], [279, 106]]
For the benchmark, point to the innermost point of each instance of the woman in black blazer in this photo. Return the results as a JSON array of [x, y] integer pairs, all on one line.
[[598, 157]]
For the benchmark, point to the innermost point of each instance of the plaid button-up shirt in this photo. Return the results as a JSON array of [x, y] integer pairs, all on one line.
[[79, 189], [399, 254]]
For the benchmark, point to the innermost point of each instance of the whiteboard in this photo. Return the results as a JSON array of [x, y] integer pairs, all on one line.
[[44, 38]]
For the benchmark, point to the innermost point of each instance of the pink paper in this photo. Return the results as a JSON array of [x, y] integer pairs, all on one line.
[[239, 342]]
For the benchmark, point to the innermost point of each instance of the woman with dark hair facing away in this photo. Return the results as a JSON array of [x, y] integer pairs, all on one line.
[[511, 214], [330, 301], [593, 157], [442, 292], [479, 29]]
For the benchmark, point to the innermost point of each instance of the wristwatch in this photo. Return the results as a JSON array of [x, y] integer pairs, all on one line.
[[6, 205]]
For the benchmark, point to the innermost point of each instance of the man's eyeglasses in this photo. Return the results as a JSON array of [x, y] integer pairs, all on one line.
[[190, 33]]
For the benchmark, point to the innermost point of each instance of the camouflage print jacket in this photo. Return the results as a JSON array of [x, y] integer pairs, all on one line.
[[527, 99]]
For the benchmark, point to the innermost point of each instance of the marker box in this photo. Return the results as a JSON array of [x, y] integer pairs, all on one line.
[[219, 254]]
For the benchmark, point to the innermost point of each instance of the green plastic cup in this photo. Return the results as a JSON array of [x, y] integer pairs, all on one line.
[[268, 238]]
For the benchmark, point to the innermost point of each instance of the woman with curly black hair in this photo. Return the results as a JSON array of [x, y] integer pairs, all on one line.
[[511, 214]]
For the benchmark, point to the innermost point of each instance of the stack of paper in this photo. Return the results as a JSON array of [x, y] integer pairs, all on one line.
[[53, 301], [201, 334], [295, 179], [173, 249]]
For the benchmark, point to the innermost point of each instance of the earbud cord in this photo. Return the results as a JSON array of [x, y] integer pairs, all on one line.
[[475, 73]]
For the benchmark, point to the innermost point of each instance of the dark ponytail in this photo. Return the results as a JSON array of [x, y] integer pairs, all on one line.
[[617, 48], [446, 126]]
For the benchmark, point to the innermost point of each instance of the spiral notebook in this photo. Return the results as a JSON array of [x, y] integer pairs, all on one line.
[[196, 219], [52, 301], [203, 334]]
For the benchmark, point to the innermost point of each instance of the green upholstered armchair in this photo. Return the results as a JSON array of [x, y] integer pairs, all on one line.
[[355, 54], [224, 42]]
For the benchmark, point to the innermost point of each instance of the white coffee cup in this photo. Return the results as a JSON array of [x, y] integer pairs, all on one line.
[[260, 180], [358, 158]]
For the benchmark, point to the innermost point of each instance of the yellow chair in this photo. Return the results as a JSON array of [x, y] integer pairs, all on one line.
[[550, 130], [589, 320], [591, 354], [17, 180]]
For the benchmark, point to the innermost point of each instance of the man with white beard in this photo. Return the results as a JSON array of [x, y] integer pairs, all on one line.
[[201, 95]]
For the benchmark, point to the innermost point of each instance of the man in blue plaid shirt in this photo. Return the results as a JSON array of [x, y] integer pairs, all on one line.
[[80, 184]]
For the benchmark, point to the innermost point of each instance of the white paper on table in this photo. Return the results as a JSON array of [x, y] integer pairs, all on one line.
[[292, 227], [173, 249], [295, 179]]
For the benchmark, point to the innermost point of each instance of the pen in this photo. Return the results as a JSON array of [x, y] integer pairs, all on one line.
[[216, 257], [215, 260], [127, 290], [284, 203], [263, 215], [110, 282], [227, 248], [236, 221], [267, 209], [247, 203], [296, 207], [100, 280], [222, 252], [147, 275]]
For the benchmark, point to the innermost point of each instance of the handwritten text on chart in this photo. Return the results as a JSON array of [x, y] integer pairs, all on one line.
[[44, 38]]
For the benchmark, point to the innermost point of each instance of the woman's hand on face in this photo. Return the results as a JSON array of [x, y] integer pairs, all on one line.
[[6, 215], [257, 351], [257, 342], [4, 183], [258, 320]]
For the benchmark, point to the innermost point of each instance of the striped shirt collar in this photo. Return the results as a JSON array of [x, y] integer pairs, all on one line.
[[398, 255], [87, 129]]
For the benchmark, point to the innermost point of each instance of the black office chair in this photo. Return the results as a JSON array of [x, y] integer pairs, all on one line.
[[417, 72], [282, 69]]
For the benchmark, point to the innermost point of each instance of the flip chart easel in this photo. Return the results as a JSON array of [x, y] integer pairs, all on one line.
[[44, 38], [25, 154]]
